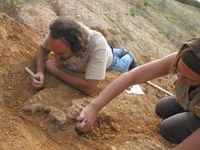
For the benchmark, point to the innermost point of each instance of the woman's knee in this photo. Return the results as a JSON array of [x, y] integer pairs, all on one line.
[[167, 107], [175, 128], [168, 131], [161, 105]]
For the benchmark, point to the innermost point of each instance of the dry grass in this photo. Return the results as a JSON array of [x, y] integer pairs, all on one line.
[[177, 21]]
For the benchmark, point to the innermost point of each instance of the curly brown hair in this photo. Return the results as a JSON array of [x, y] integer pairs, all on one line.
[[71, 33]]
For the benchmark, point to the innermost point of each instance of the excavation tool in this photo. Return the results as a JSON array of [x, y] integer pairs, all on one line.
[[30, 72], [159, 88]]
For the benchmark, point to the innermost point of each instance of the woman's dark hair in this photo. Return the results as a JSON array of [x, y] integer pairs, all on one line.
[[71, 33], [190, 54]]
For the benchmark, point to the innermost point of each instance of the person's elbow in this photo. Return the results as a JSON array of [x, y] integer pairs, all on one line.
[[90, 87], [88, 91]]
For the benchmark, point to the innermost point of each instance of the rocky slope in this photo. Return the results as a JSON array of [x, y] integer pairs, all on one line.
[[128, 122]]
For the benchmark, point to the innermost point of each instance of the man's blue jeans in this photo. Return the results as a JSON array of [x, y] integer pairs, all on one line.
[[121, 60]]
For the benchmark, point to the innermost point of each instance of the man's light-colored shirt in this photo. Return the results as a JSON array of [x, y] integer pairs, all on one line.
[[96, 59]]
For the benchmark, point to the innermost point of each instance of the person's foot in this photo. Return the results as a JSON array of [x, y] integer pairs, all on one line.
[[133, 63]]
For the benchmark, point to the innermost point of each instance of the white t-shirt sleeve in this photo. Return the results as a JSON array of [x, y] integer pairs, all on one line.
[[96, 66]]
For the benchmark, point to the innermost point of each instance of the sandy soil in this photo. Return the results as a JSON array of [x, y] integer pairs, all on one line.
[[128, 122]]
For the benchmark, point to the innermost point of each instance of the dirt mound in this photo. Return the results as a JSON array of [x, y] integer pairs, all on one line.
[[17, 48], [128, 122]]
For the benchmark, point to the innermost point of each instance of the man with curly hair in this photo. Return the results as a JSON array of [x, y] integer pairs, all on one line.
[[79, 49]]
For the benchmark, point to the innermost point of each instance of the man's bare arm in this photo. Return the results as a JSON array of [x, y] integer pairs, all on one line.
[[83, 85], [41, 57]]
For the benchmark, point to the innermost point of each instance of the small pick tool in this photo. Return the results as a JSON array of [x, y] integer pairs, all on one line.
[[30, 72]]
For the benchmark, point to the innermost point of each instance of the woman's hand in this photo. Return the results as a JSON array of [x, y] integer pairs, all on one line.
[[87, 118]]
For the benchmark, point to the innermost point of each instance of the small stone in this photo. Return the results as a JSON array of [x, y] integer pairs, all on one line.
[[57, 116], [73, 111], [34, 108]]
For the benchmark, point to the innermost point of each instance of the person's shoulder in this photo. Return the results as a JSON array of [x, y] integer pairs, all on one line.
[[93, 34], [97, 37], [45, 44], [171, 56], [96, 40]]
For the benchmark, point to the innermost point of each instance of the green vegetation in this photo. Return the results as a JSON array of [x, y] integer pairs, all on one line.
[[146, 2], [175, 22], [171, 18], [134, 11], [10, 6]]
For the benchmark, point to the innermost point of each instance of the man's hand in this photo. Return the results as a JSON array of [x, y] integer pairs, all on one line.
[[87, 118], [38, 81], [52, 66]]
